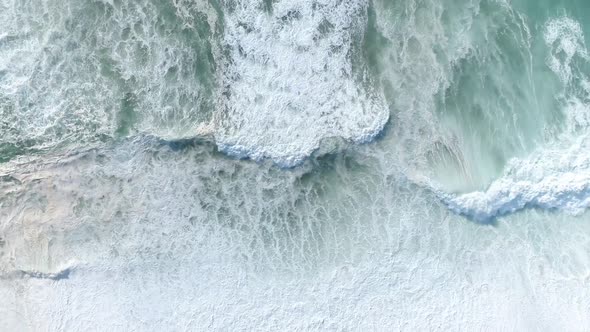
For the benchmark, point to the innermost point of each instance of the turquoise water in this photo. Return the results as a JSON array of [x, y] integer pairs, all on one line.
[[294, 165]]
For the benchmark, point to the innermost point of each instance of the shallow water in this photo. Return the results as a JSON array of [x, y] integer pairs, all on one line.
[[294, 165]]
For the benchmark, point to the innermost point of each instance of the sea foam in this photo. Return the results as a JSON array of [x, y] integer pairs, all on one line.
[[547, 180], [289, 80]]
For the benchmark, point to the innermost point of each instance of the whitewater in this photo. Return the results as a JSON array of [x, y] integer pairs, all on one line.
[[188, 165]]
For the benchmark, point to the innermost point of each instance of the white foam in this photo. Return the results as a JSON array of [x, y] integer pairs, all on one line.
[[168, 240], [290, 81], [557, 175], [549, 179], [289, 75], [67, 68], [566, 39]]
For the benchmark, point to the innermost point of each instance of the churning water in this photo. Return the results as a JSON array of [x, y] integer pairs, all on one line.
[[294, 165]]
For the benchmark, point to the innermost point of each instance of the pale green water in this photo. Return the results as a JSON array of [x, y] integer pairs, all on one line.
[[294, 165]]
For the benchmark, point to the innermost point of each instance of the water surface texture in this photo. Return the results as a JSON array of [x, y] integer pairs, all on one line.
[[286, 165]]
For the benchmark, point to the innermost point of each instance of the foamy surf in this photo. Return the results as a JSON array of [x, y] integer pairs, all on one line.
[[557, 175], [551, 180], [290, 80]]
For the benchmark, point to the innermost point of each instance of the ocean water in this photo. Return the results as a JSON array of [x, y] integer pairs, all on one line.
[[188, 165]]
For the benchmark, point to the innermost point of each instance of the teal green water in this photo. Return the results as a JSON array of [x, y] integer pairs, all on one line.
[[77, 73], [294, 165]]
